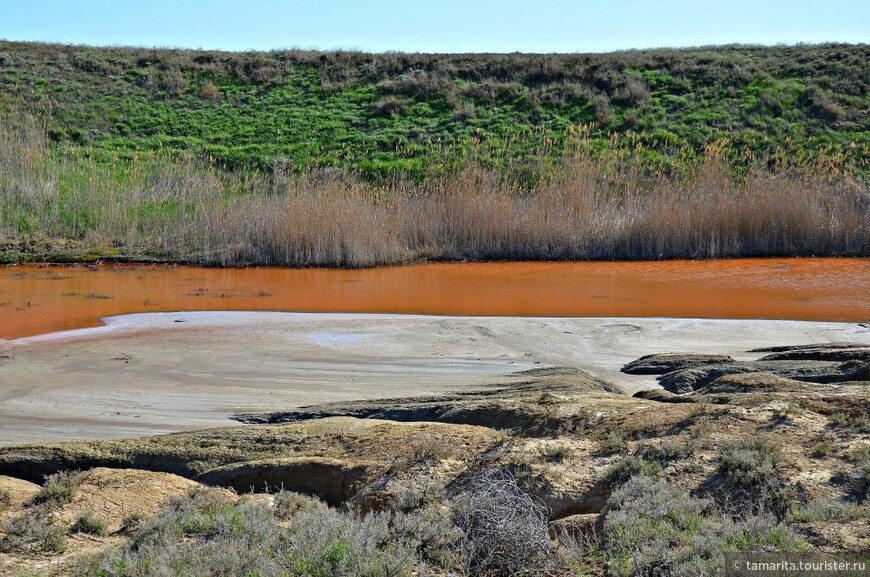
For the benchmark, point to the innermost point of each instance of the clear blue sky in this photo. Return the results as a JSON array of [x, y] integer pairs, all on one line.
[[434, 25]]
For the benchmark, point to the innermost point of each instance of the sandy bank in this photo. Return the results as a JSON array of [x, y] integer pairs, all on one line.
[[152, 373]]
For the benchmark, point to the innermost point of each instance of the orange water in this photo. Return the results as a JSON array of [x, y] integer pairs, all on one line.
[[40, 299]]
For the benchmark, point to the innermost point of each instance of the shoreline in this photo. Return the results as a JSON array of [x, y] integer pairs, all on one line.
[[154, 373]]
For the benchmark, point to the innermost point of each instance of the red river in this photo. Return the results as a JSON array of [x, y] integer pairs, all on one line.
[[39, 299]]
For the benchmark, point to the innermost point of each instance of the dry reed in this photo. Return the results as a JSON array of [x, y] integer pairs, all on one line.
[[585, 205]]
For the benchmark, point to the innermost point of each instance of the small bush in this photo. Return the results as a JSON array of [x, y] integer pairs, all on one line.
[[89, 524], [752, 470], [829, 510], [670, 450], [822, 449], [856, 421], [431, 535], [653, 529], [59, 489], [614, 442], [648, 526], [209, 91], [5, 498], [33, 532], [287, 504], [431, 449], [861, 474], [625, 469], [208, 533], [388, 107], [555, 453], [505, 529], [132, 522]]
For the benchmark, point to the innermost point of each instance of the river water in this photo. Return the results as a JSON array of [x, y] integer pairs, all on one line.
[[41, 299]]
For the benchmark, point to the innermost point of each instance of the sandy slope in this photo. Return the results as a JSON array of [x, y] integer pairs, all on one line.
[[151, 373]]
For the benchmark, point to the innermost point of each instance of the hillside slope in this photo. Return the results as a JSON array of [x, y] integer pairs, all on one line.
[[394, 112]]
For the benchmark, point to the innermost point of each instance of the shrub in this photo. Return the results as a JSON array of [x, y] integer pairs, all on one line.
[[654, 529], [670, 450], [861, 474], [830, 510], [5, 498], [629, 467], [59, 488], [132, 522], [287, 504], [555, 453], [821, 449], [613, 442], [648, 526], [209, 91], [431, 535], [505, 529], [388, 106], [329, 542], [33, 532], [88, 523], [752, 470], [207, 533]]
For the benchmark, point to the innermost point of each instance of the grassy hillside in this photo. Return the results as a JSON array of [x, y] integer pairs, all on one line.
[[388, 113], [351, 159]]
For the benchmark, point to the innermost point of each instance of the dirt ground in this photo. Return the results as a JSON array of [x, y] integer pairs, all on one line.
[[146, 374]]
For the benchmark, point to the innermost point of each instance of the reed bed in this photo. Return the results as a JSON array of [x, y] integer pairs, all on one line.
[[583, 205]]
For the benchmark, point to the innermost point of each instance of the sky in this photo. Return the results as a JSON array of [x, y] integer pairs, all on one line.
[[434, 25]]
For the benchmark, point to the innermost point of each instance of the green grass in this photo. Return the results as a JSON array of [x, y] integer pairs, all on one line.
[[383, 114]]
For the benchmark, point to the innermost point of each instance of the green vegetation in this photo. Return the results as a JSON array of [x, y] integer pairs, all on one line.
[[59, 489], [89, 524], [753, 468], [387, 114], [653, 528], [348, 159], [33, 532]]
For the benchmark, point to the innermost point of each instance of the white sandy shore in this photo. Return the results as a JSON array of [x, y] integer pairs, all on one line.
[[161, 372]]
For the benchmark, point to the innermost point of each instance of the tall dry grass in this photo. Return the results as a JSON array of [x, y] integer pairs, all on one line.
[[585, 205]]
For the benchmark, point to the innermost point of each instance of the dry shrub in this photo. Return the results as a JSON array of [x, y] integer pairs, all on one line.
[[505, 528]]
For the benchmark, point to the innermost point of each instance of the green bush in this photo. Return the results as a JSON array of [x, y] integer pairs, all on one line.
[[33, 532], [88, 523], [287, 504], [629, 467], [752, 468], [132, 522], [830, 511], [653, 529], [58, 489]]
